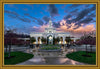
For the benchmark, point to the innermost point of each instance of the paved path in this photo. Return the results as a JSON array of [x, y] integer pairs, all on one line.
[[50, 61], [51, 58]]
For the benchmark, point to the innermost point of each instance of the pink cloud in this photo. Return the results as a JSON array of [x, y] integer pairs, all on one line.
[[76, 32], [87, 28], [35, 27], [64, 28], [41, 28]]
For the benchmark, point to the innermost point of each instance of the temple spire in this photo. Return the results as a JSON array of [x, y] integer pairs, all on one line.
[[50, 23]]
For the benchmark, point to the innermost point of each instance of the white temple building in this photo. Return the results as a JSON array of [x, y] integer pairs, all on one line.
[[50, 33]]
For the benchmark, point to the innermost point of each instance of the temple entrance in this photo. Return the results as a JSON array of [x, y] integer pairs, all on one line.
[[50, 39]]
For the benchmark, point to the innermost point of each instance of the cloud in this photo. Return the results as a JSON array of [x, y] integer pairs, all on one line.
[[53, 10], [13, 14], [83, 17], [87, 28], [67, 16], [35, 27], [24, 19], [46, 19], [33, 21], [69, 24], [93, 7], [56, 24], [86, 5], [92, 15], [86, 20], [39, 21], [40, 29], [64, 27], [77, 18], [79, 5], [27, 14], [83, 22], [74, 11], [82, 14], [69, 21]]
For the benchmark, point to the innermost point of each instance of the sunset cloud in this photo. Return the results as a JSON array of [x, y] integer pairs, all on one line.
[[64, 28], [41, 28], [73, 18], [79, 31]]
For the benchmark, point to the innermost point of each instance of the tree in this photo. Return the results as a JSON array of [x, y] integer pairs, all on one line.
[[93, 39], [78, 42], [88, 39], [92, 42], [32, 39], [9, 37], [68, 39]]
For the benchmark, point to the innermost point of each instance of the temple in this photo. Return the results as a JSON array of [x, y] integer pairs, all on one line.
[[50, 33]]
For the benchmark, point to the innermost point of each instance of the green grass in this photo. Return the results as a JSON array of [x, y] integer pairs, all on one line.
[[18, 57], [77, 56]]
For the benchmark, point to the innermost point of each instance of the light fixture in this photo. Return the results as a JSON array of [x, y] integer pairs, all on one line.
[[50, 37]]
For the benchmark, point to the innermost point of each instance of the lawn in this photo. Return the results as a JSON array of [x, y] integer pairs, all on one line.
[[78, 56], [16, 57]]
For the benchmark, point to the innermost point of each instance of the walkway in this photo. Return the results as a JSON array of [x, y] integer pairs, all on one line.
[[51, 58], [37, 60]]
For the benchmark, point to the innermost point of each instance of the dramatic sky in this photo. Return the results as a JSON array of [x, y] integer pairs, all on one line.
[[73, 18]]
